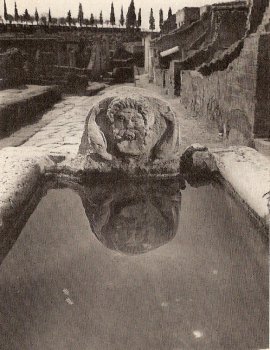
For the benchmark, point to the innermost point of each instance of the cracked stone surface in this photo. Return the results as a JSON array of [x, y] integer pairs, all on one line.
[[62, 136]]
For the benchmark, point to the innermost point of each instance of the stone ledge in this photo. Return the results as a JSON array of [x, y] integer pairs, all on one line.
[[244, 171], [248, 172], [21, 173], [19, 107]]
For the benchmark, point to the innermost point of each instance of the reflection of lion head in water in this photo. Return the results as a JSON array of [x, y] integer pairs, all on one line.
[[132, 218], [129, 126]]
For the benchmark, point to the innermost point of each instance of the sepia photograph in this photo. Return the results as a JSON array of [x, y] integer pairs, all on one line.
[[134, 174]]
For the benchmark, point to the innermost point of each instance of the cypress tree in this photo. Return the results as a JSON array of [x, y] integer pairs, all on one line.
[[92, 20], [161, 18], [151, 20], [131, 15], [16, 15], [80, 15], [122, 18], [112, 16], [36, 16], [101, 18], [49, 17], [26, 15], [139, 22], [69, 18], [169, 12], [5, 11]]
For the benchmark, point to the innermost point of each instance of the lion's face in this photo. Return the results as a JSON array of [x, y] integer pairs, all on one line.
[[128, 125], [131, 125], [129, 130]]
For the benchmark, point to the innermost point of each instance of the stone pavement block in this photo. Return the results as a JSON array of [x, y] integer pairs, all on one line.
[[62, 136]]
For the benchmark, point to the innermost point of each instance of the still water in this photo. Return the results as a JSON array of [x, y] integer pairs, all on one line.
[[135, 267]]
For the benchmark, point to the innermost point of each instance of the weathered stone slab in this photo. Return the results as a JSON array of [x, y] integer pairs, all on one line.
[[248, 172], [20, 175], [21, 106], [245, 170]]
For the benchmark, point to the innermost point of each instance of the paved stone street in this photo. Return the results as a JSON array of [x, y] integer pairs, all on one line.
[[63, 134]]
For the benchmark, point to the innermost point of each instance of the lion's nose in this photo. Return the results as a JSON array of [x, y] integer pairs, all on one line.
[[130, 124]]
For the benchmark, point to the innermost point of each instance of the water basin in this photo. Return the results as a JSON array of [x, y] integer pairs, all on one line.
[[131, 266]]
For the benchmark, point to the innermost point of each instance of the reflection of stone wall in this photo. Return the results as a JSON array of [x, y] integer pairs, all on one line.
[[237, 99]]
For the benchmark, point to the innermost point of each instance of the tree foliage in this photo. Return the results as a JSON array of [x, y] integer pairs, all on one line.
[[69, 18], [169, 12], [26, 16], [36, 16], [16, 15], [10, 18], [112, 16], [5, 11], [122, 18], [80, 14], [43, 20], [139, 22], [131, 16], [49, 17], [101, 18], [151, 20], [161, 20], [62, 21], [92, 20]]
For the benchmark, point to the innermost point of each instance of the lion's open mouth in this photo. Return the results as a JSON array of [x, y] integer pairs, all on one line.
[[128, 135]]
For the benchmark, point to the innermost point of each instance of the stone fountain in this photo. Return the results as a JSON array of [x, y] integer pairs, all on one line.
[[133, 133]]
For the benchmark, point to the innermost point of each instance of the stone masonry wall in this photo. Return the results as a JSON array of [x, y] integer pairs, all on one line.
[[233, 98], [262, 110]]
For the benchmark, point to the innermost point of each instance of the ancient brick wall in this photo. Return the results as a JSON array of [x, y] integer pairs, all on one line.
[[236, 99]]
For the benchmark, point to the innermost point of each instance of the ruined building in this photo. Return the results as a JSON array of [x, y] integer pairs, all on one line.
[[218, 61], [65, 56]]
